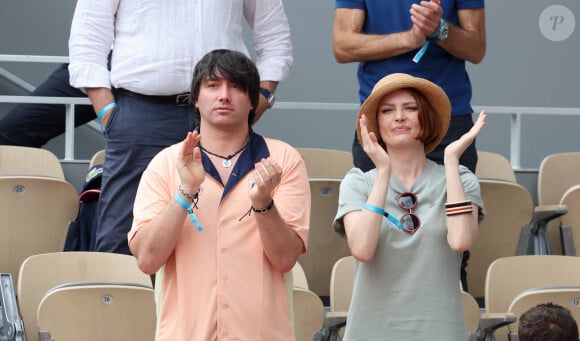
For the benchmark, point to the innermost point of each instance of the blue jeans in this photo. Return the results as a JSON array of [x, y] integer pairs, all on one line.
[[33, 125], [136, 131]]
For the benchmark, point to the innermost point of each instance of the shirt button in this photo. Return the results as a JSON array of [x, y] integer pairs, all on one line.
[[225, 306]]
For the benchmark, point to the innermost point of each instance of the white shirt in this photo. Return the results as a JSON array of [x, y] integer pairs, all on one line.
[[158, 42]]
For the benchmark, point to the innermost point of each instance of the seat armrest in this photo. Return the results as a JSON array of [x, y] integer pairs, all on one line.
[[335, 319], [534, 238], [543, 214], [489, 323]]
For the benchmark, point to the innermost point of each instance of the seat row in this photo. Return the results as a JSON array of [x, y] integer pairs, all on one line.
[[513, 224], [71, 296], [513, 285], [509, 208]]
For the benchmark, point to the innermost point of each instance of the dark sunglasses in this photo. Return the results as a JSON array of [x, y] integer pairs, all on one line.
[[410, 221]]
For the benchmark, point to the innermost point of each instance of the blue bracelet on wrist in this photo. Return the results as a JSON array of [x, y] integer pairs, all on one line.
[[189, 209], [106, 108], [435, 35]]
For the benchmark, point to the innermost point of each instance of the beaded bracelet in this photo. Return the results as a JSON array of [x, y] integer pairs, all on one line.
[[189, 196], [461, 207], [258, 210], [264, 210]]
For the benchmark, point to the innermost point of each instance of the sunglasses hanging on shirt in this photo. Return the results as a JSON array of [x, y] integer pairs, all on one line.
[[409, 222]]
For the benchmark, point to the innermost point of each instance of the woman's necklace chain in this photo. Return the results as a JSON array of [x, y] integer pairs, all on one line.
[[227, 160]]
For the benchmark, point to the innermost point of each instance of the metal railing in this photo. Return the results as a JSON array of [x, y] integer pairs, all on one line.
[[515, 113]]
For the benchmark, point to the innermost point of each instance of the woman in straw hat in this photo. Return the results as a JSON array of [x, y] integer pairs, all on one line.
[[409, 220]]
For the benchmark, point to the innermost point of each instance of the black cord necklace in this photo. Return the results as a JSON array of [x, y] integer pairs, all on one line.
[[227, 162]]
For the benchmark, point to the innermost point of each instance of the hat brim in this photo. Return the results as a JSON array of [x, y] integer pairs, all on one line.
[[434, 94]]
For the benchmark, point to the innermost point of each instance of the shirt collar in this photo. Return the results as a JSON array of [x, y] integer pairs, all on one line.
[[256, 151]]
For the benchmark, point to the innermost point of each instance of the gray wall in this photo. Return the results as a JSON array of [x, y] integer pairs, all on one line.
[[526, 65], [522, 68]]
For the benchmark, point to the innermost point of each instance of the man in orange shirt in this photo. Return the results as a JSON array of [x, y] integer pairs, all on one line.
[[222, 216]]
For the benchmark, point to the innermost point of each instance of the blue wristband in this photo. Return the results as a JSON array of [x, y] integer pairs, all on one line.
[[382, 212], [435, 35], [374, 208], [421, 52], [189, 210], [106, 108]]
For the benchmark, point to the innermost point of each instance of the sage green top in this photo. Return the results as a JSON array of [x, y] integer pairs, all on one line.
[[410, 289]]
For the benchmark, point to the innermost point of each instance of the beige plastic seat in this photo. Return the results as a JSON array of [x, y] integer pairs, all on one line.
[[509, 208], [34, 218], [341, 284], [510, 276], [557, 173], [326, 163], [308, 314], [98, 311], [471, 312], [571, 220], [299, 277], [494, 166], [564, 296], [41, 272], [325, 246], [17, 160], [97, 159]]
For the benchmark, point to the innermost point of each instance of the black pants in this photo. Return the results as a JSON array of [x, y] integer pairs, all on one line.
[[458, 126], [33, 125]]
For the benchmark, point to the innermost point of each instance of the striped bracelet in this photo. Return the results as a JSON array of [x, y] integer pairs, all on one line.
[[461, 207]]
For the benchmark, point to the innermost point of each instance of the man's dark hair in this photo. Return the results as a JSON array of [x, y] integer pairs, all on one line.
[[547, 322], [233, 66]]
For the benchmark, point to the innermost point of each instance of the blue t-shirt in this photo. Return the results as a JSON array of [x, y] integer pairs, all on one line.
[[438, 66]]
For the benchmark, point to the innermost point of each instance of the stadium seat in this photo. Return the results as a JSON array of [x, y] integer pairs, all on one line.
[[35, 215], [510, 276], [509, 208], [18, 160], [308, 314], [494, 166], [97, 311], [41, 272], [324, 245], [326, 163]]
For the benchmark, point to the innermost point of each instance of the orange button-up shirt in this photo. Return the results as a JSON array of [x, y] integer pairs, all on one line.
[[218, 284]]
